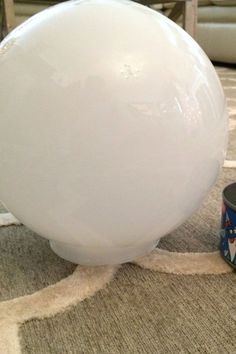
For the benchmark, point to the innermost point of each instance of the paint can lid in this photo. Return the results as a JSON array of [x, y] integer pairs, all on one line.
[[229, 195]]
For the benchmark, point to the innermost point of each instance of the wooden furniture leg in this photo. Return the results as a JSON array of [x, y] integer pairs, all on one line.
[[190, 17], [8, 17]]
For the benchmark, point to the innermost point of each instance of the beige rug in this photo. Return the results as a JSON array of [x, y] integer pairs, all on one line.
[[186, 303]]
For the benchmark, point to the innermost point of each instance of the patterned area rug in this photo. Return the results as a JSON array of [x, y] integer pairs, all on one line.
[[178, 302]]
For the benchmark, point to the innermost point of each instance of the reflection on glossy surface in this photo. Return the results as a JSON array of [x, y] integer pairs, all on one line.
[[112, 128]]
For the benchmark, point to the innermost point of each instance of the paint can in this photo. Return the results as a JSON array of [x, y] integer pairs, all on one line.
[[228, 225]]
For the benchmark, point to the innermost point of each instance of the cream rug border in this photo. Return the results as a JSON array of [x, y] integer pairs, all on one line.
[[84, 282]]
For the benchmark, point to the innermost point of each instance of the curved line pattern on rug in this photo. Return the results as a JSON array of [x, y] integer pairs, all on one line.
[[189, 263], [85, 282], [229, 164], [82, 284]]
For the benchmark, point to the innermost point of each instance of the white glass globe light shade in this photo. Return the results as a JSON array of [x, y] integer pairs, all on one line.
[[113, 128]]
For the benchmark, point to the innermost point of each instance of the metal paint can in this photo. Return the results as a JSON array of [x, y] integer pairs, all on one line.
[[228, 225]]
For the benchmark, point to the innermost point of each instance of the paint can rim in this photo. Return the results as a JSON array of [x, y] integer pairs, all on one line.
[[229, 195]]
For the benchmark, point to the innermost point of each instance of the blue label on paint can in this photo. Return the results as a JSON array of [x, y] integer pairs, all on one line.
[[228, 234]]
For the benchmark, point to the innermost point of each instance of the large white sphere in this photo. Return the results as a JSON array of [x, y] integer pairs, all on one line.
[[112, 128]]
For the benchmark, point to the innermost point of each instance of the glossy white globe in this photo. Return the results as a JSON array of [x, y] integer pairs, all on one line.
[[112, 128]]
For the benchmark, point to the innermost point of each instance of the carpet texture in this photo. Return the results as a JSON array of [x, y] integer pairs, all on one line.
[[137, 310]]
